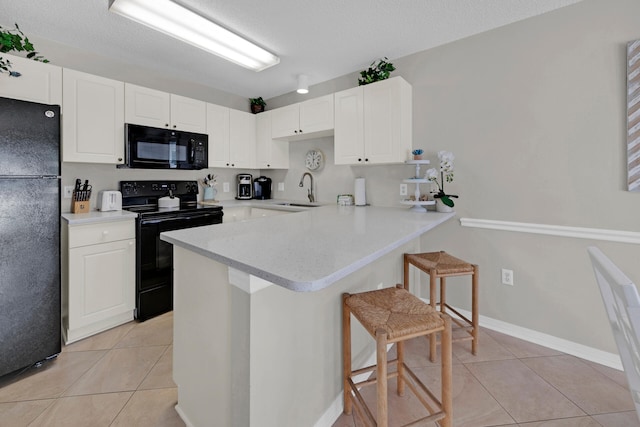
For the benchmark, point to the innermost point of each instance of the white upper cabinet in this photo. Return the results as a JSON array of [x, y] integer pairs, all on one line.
[[373, 123], [349, 127], [271, 153], [188, 114], [232, 138], [39, 82], [150, 107], [218, 131], [242, 139], [308, 119], [92, 119]]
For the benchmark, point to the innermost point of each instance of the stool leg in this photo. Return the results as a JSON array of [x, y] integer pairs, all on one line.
[[400, 378], [475, 312], [346, 354], [443, 293], [447, 393], [381, 376], [406, 272], [432, 302]]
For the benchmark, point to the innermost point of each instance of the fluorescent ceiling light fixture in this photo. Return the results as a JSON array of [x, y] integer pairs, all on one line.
[[176, 21], [303, 84]]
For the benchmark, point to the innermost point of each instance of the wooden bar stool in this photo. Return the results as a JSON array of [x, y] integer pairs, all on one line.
[[393, 315], [442, 265]]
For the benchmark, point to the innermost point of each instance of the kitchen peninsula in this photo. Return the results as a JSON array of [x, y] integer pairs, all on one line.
[[257, 309]]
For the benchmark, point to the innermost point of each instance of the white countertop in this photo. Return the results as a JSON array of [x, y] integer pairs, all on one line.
[[97, 217], [308, 250]]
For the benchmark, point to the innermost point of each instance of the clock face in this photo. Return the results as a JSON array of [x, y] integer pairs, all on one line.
[[313, 160]]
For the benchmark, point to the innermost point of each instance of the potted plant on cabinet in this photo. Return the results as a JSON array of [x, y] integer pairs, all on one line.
[[376, 72], [257, 105], [15, 40]]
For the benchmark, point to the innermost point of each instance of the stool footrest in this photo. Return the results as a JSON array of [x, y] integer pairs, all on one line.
[[411, 380], [457, 313]]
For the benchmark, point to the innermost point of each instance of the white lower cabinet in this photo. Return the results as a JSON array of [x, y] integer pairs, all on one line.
[[98, 277], [245, 213]]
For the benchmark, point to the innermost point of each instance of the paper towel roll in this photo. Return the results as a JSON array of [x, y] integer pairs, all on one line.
[[359, 192]]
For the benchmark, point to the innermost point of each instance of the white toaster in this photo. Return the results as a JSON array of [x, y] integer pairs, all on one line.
[[110, 200]]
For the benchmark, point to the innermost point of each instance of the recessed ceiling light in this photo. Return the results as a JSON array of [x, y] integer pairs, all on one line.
[[174, 20]]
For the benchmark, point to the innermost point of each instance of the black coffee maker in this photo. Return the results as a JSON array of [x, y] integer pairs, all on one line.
[[262, 188], [244, 186]]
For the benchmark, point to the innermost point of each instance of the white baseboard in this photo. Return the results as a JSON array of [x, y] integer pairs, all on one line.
[[183, 416], [611, 360]]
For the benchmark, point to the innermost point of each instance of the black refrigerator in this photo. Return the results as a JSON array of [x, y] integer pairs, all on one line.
[[29, 233]]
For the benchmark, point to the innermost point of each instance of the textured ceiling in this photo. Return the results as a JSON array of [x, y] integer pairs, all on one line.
[[323, 39]]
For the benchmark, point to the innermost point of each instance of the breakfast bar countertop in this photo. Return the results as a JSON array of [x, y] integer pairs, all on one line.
[[308, 250]]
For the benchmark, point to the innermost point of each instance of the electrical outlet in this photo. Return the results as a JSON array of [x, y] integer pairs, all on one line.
[[403, 189], [281, 186], [225, 187], [507, 277], [68, 191]]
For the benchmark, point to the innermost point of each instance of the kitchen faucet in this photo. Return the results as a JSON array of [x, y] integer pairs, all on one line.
[[310, 191]]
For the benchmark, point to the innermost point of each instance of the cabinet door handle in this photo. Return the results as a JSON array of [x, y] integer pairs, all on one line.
[[300, 130], [119, 159], [166, 125], [359, 160], [105, 232]]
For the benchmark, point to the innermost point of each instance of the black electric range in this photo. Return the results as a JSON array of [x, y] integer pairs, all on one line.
[[154, 257]]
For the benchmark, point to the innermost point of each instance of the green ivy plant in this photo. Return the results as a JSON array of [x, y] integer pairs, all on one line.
[[13, 39], [376, 72], [258, 101], [257, 105]]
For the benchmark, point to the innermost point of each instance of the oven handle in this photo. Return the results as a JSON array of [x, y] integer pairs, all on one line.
[[186, 217]]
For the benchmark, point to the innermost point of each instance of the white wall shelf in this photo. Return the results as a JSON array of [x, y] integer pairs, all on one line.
[[417, 204]]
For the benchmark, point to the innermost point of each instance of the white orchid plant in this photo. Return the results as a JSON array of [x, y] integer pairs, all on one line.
[[446, 174]]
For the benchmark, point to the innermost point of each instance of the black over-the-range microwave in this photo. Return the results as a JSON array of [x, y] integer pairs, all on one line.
[[156, 148]]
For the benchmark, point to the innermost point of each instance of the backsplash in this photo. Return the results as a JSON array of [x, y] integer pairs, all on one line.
[[382, 181]]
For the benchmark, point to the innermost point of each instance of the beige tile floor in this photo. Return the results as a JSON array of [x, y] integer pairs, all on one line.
[[122, 377], [511, 383]]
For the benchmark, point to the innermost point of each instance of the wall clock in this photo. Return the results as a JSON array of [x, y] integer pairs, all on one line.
[[314, 159]]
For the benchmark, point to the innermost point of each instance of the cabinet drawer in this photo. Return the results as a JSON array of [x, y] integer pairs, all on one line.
[[91, 234]]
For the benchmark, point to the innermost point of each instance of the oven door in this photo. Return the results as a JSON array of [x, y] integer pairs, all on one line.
[[154, 260]]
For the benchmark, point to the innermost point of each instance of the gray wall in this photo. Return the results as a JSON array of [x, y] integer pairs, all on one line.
[[535, 114]]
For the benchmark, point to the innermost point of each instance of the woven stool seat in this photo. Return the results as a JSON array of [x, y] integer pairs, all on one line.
[[393, 315], [440, 265], [394, 310]]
